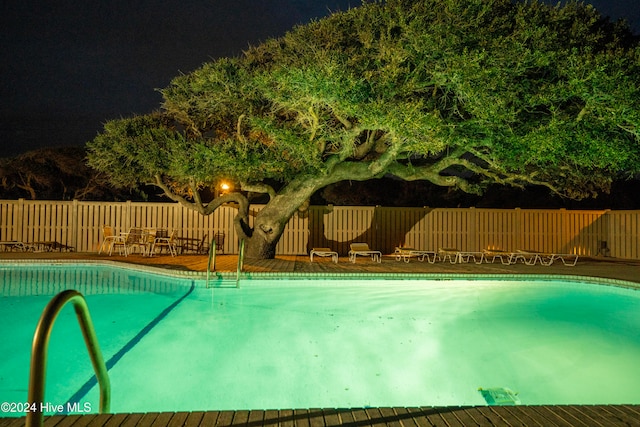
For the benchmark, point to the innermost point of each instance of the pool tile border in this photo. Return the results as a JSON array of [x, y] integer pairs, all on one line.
[[225, 278]]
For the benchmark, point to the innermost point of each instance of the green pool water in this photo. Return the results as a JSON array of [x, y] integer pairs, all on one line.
[[173, 345]]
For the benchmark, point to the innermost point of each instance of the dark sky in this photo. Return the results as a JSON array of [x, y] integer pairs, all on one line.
[[70, 65]]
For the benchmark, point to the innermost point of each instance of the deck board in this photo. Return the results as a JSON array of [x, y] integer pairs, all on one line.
[[508, 417], [624, 416], [450, 418], [562, 415], [583, 414], [490, 416], [465, 417], [550, 418], [358, 416]]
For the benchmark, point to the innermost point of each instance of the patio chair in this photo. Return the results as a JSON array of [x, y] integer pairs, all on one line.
[[195, 245], [148, 239], [135, 238], [108, 239], [166, 242], [363, 249], [115, 241], [324, 252]]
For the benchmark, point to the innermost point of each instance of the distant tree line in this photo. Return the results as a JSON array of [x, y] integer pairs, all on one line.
[[60, 173]]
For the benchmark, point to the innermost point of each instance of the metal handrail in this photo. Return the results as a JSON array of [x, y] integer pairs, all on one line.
[[212, 260], [240, 263], [39, 349]]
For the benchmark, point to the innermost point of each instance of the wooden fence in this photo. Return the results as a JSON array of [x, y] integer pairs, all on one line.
[[79, 224]]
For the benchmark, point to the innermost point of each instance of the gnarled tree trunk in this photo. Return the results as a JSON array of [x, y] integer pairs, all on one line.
[[269, 223]]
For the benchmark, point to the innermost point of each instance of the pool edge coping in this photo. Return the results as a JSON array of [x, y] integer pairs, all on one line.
[[218, 277]]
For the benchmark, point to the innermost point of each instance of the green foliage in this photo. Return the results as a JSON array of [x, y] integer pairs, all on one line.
[[462, 93]]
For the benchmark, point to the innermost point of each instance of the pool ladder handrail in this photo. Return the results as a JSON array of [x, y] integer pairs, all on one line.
[[240, 263], [40, 346], [212, 260]]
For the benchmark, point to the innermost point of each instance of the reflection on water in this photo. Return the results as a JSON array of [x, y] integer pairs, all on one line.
[[48, 280]]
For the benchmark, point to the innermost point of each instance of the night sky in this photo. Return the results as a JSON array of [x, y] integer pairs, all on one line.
[[70, 65]]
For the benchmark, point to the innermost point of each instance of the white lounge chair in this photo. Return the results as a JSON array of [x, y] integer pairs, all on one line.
[[456, 256], [406, 254], [531, 257], [565, 258], [14, 245], [324, 252], [505, 257], [448, 253], [363, 249]]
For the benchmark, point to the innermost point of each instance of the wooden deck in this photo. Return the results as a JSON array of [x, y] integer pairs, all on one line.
[[551, 416]]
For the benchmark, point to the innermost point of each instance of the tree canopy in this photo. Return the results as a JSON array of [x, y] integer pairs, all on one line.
[[460, 93]]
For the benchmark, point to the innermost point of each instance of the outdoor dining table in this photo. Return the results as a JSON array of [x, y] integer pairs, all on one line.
[[184, 243]]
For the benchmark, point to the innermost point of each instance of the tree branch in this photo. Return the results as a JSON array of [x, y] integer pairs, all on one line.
[[258, 188], [346, 123], [241, 220], [359, 151]]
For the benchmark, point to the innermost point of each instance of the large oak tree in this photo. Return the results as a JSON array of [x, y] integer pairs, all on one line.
[[461, 93]]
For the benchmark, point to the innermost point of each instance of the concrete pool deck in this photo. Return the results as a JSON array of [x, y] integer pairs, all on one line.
[[522, 415]]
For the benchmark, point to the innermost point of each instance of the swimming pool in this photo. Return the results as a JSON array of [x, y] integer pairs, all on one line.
[[173, 345]]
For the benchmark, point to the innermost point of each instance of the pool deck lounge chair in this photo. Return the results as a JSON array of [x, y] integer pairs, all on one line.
[[448, 253], [505, 257], [15, 245], [531, 257], [51, 246], [456, 256], [565, 258], [405, 254], [324, 252], [363, 249]]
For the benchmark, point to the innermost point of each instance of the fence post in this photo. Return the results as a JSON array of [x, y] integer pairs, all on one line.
[[518, 227], [21, 221], [472, 235], [609, 249], [74, 225], [127, 215]]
